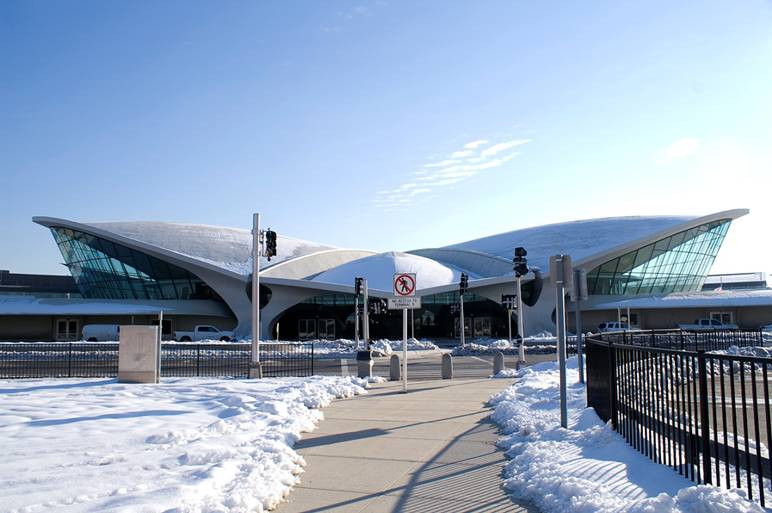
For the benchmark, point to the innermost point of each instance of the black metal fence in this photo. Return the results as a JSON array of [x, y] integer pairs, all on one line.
[[87, 360], [284, 359], [706, 415], [706, 340]]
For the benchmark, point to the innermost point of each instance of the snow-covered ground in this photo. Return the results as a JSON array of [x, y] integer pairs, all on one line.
[[587, 467], [185, 445]]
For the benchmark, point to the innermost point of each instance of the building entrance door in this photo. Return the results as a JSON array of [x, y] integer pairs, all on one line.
[[67, 329], [482, 326]]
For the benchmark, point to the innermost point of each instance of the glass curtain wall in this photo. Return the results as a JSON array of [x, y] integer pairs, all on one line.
[[678, 263], [105, 270]]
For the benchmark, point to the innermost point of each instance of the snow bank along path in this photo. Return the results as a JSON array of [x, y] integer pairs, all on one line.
[[587, 467], [186, 445]]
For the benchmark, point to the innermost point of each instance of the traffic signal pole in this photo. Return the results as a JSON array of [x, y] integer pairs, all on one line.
[[520, 330], [255, 370], [356, 322], [463, 326], [366, 318]]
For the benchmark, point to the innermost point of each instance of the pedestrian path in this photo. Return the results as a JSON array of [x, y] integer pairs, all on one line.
[[431, 450]]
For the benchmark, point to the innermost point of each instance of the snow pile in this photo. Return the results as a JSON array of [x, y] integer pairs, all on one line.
[[761, 352], [587, 467], [543, 342], [345, 348], [505, 373], [186, 445]]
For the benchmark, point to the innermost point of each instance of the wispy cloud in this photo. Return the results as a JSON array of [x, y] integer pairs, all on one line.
[[498, 148], [474, 144], [680, 149], [460, 165]]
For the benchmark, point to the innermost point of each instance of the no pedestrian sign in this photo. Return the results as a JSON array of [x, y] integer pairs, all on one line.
[[404, 284]]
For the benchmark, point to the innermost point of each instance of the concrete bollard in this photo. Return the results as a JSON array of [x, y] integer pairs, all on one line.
[[498, 362], [447, 366], [364, 364], [394, 368]]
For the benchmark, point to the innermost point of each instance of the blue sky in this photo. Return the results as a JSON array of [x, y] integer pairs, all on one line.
[[358, 124]]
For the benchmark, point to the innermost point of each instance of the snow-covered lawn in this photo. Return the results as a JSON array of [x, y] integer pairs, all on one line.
[[185, 445], [587, 467]]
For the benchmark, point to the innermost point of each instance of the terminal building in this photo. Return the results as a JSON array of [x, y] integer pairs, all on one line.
[[128, 272]]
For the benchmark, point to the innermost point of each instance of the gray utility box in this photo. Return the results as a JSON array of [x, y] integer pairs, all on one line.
[[138, 352]]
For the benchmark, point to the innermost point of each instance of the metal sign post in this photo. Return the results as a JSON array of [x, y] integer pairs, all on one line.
[[404, 291], [254, 365], [160, 339], [404, 350], [562, 276], [579, 294]]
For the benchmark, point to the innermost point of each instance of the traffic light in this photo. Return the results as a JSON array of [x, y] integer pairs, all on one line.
[[270, 244], [378, 307], [520, 263], [463, 284], [358, 283]]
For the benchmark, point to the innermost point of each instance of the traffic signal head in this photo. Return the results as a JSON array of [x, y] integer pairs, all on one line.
[[520, 263], [270, 243], [464, 283], [358, 286]]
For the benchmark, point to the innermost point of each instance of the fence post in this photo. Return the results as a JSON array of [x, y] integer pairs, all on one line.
[[312, 358], [704, 420], [69, 361], [198, 360], [612, 382]]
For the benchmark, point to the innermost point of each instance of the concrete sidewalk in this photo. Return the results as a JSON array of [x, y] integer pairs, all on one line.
[[431, 450]]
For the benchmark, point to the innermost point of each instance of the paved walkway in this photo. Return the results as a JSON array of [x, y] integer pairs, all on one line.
[[430, 451]]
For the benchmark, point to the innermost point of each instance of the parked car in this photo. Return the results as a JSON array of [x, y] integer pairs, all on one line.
[[707, 324], [203, 332], [613, 326], [101, 332]]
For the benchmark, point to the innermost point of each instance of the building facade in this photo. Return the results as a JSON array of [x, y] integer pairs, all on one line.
[[129, 271]]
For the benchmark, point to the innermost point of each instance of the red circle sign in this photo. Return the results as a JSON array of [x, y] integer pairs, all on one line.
[[404, 285]]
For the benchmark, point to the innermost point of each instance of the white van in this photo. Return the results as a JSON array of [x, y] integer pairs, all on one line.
[[101, 332]]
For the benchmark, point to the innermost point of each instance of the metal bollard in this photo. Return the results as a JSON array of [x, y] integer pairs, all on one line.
[[447, 366], [394, 368], [498, 362]]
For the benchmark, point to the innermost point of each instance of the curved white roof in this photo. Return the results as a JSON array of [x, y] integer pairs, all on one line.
[[379, 270], [580, 239], [229, 248]]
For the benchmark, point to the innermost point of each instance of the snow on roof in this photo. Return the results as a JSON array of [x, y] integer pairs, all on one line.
[[229, 248], [580, 239], [727, 298], [30, 305], [379, 270]]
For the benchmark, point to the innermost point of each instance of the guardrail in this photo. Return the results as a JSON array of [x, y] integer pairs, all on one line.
[[705, 414], [89, 360]]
